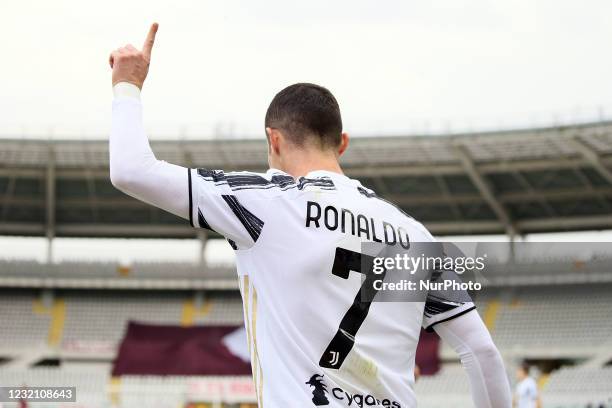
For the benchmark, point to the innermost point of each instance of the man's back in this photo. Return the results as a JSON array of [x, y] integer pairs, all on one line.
[[312, 340]]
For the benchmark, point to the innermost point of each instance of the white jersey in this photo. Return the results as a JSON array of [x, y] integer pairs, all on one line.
[[311, 344], [527, 393]]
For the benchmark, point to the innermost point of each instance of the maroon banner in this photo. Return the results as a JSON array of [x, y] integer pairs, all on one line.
[[428, 355], [174, 350]]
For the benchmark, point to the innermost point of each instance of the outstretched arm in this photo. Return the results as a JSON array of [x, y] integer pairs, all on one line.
[[205, 197], [469, 337], [134, 169]]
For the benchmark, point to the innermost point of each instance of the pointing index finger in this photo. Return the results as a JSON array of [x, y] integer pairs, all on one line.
[[150, 40]]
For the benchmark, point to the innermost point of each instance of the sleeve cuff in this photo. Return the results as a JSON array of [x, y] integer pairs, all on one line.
[[126, 89], [190, 197], [459, 312]]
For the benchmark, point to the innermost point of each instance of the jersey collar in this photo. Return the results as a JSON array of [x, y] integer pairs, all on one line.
[[336, 177]]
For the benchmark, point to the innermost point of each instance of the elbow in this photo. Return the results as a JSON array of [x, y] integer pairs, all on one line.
[[482, 350], [126, 172], [129, 173], [487, 351], [122, 180], [133, 177]]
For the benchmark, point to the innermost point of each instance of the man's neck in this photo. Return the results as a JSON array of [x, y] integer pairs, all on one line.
[[306, 163]]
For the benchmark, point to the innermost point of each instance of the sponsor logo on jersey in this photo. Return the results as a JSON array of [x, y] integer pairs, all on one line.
[[321, 395], [319, 389]]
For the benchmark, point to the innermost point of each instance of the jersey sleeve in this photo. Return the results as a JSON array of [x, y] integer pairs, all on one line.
[[444, 305], [224, 202]]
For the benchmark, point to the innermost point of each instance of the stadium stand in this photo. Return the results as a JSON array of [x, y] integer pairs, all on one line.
[[20, 325], [538, 318], [174, 275], [91, 384], [101, 316], [577, 387], [566, 388], [95, 390], [542, 321], [452, 379], [572, 317], [84, 270], [111, 311], [520, 181]]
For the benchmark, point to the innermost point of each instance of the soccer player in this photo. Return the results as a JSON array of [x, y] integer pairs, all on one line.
[[526, 392], [313, 340]]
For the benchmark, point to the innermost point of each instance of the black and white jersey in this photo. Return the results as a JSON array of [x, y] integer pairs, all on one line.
[[286, 233]]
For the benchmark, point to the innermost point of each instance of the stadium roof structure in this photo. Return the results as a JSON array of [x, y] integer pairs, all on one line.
[[515, 182]]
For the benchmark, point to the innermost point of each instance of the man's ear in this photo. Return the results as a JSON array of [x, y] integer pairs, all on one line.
[[344, 142], [274, 140]]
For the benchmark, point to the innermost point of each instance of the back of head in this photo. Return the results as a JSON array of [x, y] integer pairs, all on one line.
[[306, 114], [523, 371]]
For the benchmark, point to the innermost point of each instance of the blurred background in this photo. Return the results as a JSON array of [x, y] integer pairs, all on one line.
[[488, 121]]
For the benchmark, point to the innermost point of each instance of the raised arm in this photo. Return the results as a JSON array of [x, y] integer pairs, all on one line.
[[469, 337], [134, 169]]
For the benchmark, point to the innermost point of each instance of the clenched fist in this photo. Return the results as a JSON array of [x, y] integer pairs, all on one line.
[[131, 65]]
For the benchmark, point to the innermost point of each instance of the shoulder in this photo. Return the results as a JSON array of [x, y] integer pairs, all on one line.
[[245, 180], [394, 208], [245, 185]]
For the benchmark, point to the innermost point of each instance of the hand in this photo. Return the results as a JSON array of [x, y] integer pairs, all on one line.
[[131, 65]]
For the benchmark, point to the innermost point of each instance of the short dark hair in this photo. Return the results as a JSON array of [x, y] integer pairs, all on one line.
[[524, 367], [305, 110]]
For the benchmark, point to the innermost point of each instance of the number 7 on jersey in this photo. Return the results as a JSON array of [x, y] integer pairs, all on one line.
[[343, 341]]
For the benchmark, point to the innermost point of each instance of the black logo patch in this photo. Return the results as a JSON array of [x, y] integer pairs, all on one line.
[[319, 390]]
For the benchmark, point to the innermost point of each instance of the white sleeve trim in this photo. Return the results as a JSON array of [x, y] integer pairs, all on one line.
[[431, 322], [126, 89]]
